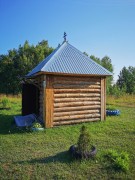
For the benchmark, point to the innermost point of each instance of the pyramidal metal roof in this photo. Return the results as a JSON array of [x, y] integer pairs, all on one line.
[[66, 59]]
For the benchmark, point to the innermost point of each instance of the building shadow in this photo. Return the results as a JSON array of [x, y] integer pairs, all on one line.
[[62, 157]]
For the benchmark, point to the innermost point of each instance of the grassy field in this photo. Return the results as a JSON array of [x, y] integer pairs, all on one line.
[[44, 155]]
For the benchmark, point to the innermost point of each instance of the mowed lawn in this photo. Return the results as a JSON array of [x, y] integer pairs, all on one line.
[[44, 155]]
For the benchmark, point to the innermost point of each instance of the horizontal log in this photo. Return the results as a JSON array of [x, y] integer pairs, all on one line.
[[77, 95], [75, 104], [82, 116], [75, 90], [75, 86], [75, 121], [76, 99], [68, 113], [76, 79], [76, 83], [63, 109]]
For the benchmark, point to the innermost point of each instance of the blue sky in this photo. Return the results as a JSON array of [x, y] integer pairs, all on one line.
[[98, 27]]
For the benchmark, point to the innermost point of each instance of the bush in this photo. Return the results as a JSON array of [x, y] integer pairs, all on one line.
[[83, 145], [120, 161]]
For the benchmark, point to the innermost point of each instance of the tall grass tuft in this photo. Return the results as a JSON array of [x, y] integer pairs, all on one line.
[[5, 103]]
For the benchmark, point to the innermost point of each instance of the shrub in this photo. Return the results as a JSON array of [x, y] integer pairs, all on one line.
[[120, 161], [83, 145]]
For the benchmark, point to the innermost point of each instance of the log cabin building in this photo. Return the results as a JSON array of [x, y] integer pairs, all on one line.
[[67, 87]]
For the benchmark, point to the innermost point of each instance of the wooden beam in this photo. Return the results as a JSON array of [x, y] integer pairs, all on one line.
[[75, 86], [77, 81], [75, 121], [71, 95], [75, 90], [59, 100], [68, 113], [63, 109], [82, 116], [49, 102], [102, 99], [69, 104]]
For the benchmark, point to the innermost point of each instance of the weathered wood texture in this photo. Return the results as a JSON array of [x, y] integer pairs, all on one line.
[[103, 99], [48, 102], [71, 100]]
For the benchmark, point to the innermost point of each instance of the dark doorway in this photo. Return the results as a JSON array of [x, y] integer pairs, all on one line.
[[30, 99]]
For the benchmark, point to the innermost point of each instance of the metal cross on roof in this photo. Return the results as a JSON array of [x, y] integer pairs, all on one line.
[[64, 36]]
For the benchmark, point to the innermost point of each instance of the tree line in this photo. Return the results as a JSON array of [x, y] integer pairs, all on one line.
[[18, 62], [125, 83]]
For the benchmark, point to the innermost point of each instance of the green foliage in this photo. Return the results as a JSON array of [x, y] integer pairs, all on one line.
[[106, 63], [119, 161], [18, 62], [36, 125], [5, 102], [96, 59], [126, 79], [116, 91], [83, 145]]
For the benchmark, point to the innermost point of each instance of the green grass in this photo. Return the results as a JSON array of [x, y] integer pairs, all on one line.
[[44, 155]]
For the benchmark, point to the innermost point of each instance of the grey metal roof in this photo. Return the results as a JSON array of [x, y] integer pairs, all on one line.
[[67, 59]]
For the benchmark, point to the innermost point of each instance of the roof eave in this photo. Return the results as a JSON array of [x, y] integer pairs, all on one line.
[[66, 74]]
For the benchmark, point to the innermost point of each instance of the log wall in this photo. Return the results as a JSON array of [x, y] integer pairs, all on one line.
[[71, 100]]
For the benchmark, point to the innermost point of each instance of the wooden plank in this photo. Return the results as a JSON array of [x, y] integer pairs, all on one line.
[[49, 102], [44, 104], [102, 99], [57, 100], [69, 75], [75, 121], [75, 79], [68, 113], [82, 83], [75, 86], [82, 116], [77, 95], [69, 104], [63, 109], [41, 101], [75, 90]]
